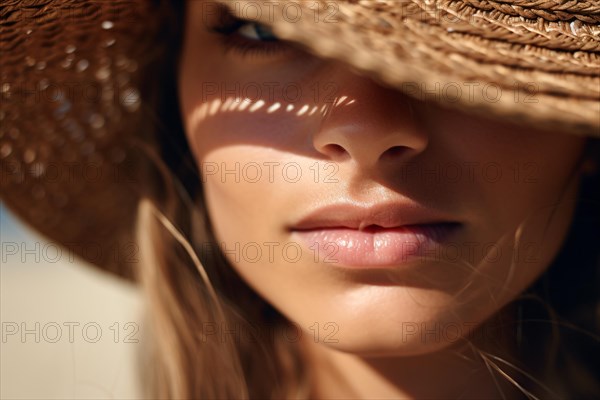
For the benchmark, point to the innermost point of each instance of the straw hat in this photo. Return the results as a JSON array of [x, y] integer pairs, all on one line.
[[72, 100]]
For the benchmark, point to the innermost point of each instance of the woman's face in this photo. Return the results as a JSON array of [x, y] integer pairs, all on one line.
[[315, 138]]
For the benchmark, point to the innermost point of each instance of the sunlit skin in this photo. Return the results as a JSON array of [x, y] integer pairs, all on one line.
[[514, 182]]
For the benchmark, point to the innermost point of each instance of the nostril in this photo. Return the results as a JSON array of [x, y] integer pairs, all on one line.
[[334, 150], [393, 152]]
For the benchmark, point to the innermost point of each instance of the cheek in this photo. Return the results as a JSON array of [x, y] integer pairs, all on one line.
[[508, 173], [247, 170], [522, 200], [235, 183]]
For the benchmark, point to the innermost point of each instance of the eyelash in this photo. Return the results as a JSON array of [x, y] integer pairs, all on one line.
[[228, 27]]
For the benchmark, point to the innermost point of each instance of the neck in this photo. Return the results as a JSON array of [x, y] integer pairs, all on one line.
[[455, 372]]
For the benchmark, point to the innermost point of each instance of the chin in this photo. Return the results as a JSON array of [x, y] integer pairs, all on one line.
[[384, 322]]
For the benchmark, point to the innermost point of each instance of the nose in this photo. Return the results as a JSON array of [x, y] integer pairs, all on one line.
[[368, 123]]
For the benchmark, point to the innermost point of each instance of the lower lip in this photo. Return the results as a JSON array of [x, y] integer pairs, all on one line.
[[374, 248]]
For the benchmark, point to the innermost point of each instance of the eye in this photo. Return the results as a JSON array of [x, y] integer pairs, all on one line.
[[248, 38], [256, 31]]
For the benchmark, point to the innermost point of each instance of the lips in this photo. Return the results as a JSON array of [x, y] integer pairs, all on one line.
[[386, 234]]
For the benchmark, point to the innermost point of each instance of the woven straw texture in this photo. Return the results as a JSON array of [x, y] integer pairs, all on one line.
[[70, 104], [530, 61]]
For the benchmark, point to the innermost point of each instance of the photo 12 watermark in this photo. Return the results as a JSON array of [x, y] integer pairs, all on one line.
[[69, 331], [324, 332], [269, 172], [48, 252], [269, 11]]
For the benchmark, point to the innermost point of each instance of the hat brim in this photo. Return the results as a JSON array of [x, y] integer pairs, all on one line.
[[529, 70]]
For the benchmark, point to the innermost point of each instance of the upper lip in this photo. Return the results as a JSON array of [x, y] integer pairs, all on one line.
[[383, 215]]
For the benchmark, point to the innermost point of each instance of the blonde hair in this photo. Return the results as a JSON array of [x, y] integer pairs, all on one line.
[[206, 337]]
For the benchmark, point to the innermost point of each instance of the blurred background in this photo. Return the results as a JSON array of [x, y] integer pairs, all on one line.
[[69, 331]]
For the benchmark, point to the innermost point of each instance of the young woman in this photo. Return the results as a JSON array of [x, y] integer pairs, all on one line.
[[315, 222]]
